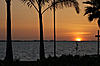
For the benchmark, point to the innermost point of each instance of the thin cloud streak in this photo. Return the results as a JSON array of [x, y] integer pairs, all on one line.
[[78, 33]]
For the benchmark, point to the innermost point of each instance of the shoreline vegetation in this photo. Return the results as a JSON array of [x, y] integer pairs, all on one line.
[[64, 60], [45, 41]]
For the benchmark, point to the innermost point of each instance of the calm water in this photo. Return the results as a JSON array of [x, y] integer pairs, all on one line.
[[28, 51]]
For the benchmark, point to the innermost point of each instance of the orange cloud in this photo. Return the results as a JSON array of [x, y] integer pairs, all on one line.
[[78, 33]]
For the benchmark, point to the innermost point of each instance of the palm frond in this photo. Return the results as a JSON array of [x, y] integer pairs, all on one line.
[[44, 1], [76, 5], [88, 2], [93, 10], [66, 3], [90, 9], [25, 1], [93, 16], [90, 17], [99, 22], [28, 2]]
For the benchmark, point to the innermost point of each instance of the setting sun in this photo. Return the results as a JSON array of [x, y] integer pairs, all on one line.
[[78, 39]]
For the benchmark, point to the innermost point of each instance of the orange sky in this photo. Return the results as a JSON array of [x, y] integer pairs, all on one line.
[[25, 25]]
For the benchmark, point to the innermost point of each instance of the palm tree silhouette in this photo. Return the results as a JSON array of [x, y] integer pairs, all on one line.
[[40, 4], [9, 52], [93, 10], [54, 33], [68, 3]]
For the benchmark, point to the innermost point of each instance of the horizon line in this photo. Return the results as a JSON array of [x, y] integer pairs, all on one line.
[[46, 41]]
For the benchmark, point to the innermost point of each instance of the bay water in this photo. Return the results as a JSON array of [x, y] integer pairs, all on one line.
[[29, 51]]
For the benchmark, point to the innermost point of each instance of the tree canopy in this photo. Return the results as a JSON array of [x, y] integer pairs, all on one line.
[[93, 10], [58, 4]]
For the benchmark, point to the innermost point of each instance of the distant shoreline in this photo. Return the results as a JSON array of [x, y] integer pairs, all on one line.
[[44, 41]]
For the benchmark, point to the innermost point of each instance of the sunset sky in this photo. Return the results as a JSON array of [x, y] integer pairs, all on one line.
[[25, 23]]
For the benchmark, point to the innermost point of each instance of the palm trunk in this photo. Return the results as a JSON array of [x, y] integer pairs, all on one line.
[[42, 53], [9, 53], [54, 33]]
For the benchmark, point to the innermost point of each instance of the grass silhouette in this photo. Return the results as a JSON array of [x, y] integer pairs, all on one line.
[[64, 60]]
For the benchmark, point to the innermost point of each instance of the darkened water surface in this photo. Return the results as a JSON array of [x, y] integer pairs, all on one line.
[[29, 51]]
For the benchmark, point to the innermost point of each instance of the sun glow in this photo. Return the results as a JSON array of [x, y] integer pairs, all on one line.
[[78, 39]]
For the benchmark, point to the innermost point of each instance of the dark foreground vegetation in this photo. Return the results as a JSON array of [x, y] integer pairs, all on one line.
[[69, 60]]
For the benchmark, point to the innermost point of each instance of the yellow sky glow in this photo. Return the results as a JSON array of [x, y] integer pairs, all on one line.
[[78, 39]]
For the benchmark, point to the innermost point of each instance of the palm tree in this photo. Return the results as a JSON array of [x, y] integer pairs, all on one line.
[[68, 3], [93, 10], [54, 33], [40, 4], [9, 53]]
